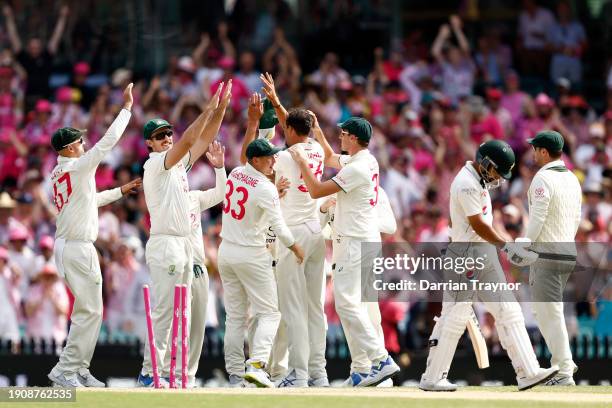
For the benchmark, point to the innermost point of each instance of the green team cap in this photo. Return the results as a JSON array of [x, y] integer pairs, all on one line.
[[359, 127], [548, 139], [151, 126], [261, 148], [64, 136]]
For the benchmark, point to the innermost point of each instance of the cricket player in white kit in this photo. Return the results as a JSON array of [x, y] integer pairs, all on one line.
[[201, 201], [555, 200], [250, 206], [471, 231], [355, 222], [300, 286], [77, 202], [169, 254]]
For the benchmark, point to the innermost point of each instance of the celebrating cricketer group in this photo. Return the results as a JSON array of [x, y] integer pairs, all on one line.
[[271, 258]]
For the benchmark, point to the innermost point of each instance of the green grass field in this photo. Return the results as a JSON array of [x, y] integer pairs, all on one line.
[[591, 396]]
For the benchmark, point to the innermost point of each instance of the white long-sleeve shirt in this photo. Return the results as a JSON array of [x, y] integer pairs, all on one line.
[[555, 200], [74, 186], [200, 201], [250, 206]]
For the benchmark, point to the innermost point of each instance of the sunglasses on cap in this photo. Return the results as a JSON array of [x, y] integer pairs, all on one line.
[[79, 141], [162, 135]]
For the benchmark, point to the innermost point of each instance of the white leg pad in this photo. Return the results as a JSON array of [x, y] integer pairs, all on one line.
[[513, 337], [449, 327]]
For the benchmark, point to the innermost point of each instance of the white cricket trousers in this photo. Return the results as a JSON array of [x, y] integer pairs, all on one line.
[[301, 299], [199, 302], [248, 280], [78, 263], [170, 262], [362, 330]]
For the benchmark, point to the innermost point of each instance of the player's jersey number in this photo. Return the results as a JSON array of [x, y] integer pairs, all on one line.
[[62, 194], [375, 180], [241, 196], [318, 172]]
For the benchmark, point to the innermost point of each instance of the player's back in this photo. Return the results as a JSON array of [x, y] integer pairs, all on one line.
[[244, 222], [74, 196], [297, 206]]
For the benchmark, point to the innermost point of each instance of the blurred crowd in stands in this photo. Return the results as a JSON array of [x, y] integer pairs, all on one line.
[[431, 102]]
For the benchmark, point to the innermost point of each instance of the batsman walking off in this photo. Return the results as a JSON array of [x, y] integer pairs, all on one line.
[[555, 200], [169, 254], [473, 235], [77, 202]]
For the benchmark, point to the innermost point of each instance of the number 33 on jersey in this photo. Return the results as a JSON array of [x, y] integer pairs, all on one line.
[[250, 206]]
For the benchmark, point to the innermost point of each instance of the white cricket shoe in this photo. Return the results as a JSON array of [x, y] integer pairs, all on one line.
[[64, 379], [256, 375], [442, 385], [388, 383], [318, 382], [292, 381], [380, 372], [561, 380], [354, 379], [88, 380], [543, 375]]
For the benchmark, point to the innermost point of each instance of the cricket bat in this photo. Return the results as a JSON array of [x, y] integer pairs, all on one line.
[[478, 342]]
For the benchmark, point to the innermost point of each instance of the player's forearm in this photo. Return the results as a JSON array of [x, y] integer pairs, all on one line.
[[331, 158], [108, 196], [313, 185], [487, 232], [535, 224], [249, 136], [220, 180], [13, 34], [111, 137]]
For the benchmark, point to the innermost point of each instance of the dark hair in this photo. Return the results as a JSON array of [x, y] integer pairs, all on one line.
[[363, 143], [300, 120], [554, 155]]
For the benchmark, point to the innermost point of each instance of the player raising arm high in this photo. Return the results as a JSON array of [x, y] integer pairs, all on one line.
[[76, 200], [355, 222], [168, 252]]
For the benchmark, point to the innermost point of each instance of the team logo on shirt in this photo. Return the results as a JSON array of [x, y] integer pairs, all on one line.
[[484, 210], [539, 192], [171, 270]]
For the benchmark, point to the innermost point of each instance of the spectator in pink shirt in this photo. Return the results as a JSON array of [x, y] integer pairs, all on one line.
[[47, 307], [483, 125], [40, 129], [513, 99], [240, 92], [9, 299]]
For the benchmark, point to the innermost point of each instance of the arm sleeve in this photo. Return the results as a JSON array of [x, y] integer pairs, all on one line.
[[348, 178], [469, 199], [343, 159], [93, 157], [539, 200], [270, 204], [186, 159], [386, 218], [214, 196], [108, 196]]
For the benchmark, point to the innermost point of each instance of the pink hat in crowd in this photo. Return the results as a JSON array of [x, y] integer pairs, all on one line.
[[64, 94], [18, 234], [3, 253], [544, 100], [48, 270], [226, 62], [82, 68], [42, 106], [46, 242], [494, 93]]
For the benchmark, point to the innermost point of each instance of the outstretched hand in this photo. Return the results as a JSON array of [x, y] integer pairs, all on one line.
[[255, 109], [268, 89], [216, 155], [227, 95], [132, 187], [128, 98]]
